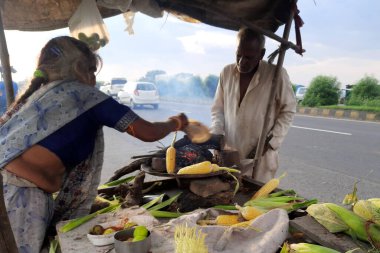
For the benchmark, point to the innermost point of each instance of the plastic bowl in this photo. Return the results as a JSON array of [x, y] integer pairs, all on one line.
[[101, 240], [123, 246]]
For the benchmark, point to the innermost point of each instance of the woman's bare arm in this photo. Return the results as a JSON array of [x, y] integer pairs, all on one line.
[[153, 131]]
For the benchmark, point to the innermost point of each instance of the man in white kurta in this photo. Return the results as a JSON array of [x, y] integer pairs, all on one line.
[[239, 115]]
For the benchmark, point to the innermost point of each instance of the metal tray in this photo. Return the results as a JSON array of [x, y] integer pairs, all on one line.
[[150, 171]]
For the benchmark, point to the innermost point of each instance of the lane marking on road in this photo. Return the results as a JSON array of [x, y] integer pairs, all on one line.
[[321, 130], [329, 118]]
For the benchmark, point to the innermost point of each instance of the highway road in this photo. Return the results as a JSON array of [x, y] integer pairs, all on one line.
[[323, 157]]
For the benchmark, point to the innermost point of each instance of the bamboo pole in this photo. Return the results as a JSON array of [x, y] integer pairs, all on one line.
[[272, 94], [4, 57], [7, 240]]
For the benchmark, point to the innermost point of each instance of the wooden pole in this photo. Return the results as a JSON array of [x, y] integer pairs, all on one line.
[[272, 94], [4, 57], [7, 241]]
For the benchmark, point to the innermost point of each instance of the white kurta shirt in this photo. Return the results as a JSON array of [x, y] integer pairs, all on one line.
[[241, 125]]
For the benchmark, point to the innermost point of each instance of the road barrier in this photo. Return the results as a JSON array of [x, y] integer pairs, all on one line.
[[340, 113]]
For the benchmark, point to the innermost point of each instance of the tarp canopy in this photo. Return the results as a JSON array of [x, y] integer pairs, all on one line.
[[43, 15]]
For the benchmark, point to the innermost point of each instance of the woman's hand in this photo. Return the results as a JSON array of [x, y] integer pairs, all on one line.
[[181, 121]]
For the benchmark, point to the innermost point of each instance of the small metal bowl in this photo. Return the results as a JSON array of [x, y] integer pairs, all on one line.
[[123, 246]]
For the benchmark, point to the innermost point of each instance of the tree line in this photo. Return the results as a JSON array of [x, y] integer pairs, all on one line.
[[324, 90]]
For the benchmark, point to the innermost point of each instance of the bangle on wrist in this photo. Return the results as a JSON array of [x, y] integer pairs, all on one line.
[[178, 122]]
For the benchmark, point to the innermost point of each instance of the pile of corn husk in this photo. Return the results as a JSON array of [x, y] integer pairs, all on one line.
[[363, 222]]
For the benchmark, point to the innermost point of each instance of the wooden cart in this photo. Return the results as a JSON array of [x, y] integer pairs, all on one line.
[[262, 15]]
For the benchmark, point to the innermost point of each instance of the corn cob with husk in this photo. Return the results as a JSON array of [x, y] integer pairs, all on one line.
[[268, 187], [288, 203], [305, 248], [358, 227], [327, 218], [367, 210]]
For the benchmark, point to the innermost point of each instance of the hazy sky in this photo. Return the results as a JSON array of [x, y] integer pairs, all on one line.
[[341, 38]]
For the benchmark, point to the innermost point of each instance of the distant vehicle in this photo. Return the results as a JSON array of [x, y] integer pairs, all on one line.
[[113, 87], [105, 87], [344, 95], [138, 94], [300, 94]]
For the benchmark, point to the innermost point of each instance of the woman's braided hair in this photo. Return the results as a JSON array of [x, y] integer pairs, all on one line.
[[59, 60]]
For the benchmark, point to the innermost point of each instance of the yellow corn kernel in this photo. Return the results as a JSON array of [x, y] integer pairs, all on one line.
[[267, 188], [170, 157], [170, 160], [227, 219], [198, 168], [249, 212]]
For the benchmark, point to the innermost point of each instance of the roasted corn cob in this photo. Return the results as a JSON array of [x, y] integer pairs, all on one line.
[[170, 157], [198, 168]]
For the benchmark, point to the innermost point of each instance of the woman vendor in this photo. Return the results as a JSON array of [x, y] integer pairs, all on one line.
[[51, 140]]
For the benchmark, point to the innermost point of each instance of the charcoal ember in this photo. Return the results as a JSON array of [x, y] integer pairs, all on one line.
[[191, 154]]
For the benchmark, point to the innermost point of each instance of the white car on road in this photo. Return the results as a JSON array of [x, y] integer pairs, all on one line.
[[138, 94], [113, 87], [300, 94]]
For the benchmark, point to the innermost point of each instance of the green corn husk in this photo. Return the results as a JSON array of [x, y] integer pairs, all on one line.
[[367, 210], [358, 226], [164, 214], [165, 203], [327, 218], [116, 182], [282, 193], [53, 246], [237, 186], [225, 207], [280, 199], [299, 205], [153, 201], [305, 248], [81, 220]]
